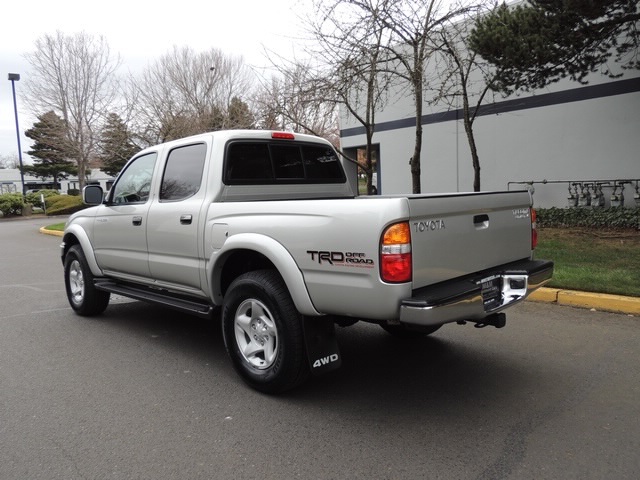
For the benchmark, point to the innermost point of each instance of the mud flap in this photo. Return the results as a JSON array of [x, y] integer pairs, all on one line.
[[322, 346]]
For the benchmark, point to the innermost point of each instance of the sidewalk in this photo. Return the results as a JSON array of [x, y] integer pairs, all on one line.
[[597, 301]]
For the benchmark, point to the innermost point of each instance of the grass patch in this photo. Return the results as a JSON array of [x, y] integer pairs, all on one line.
[[58, 227], [593, 260]]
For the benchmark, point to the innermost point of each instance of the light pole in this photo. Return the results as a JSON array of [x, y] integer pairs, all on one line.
[[14, 77]]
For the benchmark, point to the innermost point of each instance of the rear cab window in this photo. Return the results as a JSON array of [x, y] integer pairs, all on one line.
[[272, 162]]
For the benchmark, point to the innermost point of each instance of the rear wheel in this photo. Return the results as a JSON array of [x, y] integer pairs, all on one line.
[[83, 296], [263, 333]]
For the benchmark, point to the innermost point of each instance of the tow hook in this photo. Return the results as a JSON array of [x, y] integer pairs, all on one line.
[[497, 320]]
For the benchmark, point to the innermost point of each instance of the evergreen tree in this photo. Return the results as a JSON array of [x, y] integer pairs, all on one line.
[[239, 115], [116, 145], [538, 43], [212, 119], [50, 149]]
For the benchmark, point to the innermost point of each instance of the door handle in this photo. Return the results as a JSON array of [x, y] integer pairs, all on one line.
[[185, 219], [137, 221]]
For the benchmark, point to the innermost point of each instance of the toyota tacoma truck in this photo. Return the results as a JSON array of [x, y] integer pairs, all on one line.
[[266, 231]]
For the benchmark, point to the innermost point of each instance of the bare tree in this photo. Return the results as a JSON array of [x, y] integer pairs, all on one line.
[[411, 24], [185, 93], [9, 161], [351, 44], [294, 99], [466, 78], [74, 77]]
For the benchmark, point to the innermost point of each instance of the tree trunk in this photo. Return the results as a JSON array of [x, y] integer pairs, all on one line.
[[368, 162], [415, 158], [468, 128], [82, 175]]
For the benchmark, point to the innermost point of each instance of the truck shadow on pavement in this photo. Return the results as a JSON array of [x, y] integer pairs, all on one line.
[[190, 337], [442, 373], [435, 371]]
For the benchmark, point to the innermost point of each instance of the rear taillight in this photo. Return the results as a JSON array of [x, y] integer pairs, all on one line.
[[395, 253], [534, 230]]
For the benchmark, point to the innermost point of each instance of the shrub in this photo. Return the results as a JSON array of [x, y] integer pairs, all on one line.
[[73, 192], [34, 198], [618, 218], [64, 205], [11, 204]]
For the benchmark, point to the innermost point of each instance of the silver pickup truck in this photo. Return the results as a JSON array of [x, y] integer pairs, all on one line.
[[265, 229]]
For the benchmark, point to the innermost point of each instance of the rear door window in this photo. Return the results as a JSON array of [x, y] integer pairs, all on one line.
[[183, 172]]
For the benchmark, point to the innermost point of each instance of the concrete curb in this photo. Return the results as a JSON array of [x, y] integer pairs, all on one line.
[[597, 301], [51, 232]]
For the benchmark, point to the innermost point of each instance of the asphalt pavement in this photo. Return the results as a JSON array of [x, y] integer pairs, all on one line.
[[144, 393]]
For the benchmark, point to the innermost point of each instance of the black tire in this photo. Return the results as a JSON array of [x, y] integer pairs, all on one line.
[[263, 334], [401, 331], [83, 296]]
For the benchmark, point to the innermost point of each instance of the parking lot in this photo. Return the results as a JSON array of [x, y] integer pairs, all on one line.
[[144, 393]]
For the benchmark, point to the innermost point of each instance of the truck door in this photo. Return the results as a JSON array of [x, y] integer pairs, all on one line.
[[173, 231], [120, 226]]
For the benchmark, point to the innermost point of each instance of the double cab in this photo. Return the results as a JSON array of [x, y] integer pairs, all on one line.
[[266, 231]]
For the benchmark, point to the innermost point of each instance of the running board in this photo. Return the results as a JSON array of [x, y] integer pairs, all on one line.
[[160, 297]]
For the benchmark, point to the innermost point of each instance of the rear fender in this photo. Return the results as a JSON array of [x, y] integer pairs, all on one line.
[[277, 254]]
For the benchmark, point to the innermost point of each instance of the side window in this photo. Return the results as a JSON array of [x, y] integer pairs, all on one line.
[[134, 183], [183, 172]]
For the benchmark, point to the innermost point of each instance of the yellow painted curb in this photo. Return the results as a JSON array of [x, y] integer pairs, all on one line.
[[600, 301], [543, 294], [51, 232], [597, 301]]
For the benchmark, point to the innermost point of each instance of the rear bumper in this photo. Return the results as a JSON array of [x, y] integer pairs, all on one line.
[[477, 296]]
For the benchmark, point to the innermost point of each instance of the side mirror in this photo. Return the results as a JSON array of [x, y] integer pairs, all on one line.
[[92, 195]]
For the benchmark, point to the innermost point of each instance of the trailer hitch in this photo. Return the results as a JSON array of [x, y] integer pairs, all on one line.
[[497, 320]]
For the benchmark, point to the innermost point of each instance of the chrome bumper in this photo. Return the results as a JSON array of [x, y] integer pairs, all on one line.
[[475, 297]]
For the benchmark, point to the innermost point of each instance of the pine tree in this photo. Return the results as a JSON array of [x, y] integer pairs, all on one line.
[[538, 43], [239, 115], [116, 145], [50, 149]]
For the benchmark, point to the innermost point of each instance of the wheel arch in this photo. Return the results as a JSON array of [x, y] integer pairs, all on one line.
[[246, 252], [76, 235]]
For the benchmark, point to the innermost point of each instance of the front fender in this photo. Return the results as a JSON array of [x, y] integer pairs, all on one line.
[[83, 239], [277, 254]]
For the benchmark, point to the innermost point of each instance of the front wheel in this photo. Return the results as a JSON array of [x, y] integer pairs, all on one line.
[[82, 294], [262, 332]]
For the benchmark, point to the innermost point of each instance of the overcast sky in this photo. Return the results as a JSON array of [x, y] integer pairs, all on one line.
[[140, 31]]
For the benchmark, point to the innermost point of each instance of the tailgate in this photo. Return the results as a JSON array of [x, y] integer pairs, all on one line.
[[458, 234]]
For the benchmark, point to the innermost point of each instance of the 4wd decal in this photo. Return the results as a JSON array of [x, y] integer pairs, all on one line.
[[320, 362], [342, 259]]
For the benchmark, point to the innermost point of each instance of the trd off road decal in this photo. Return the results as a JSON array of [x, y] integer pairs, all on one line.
[[341, 259]]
